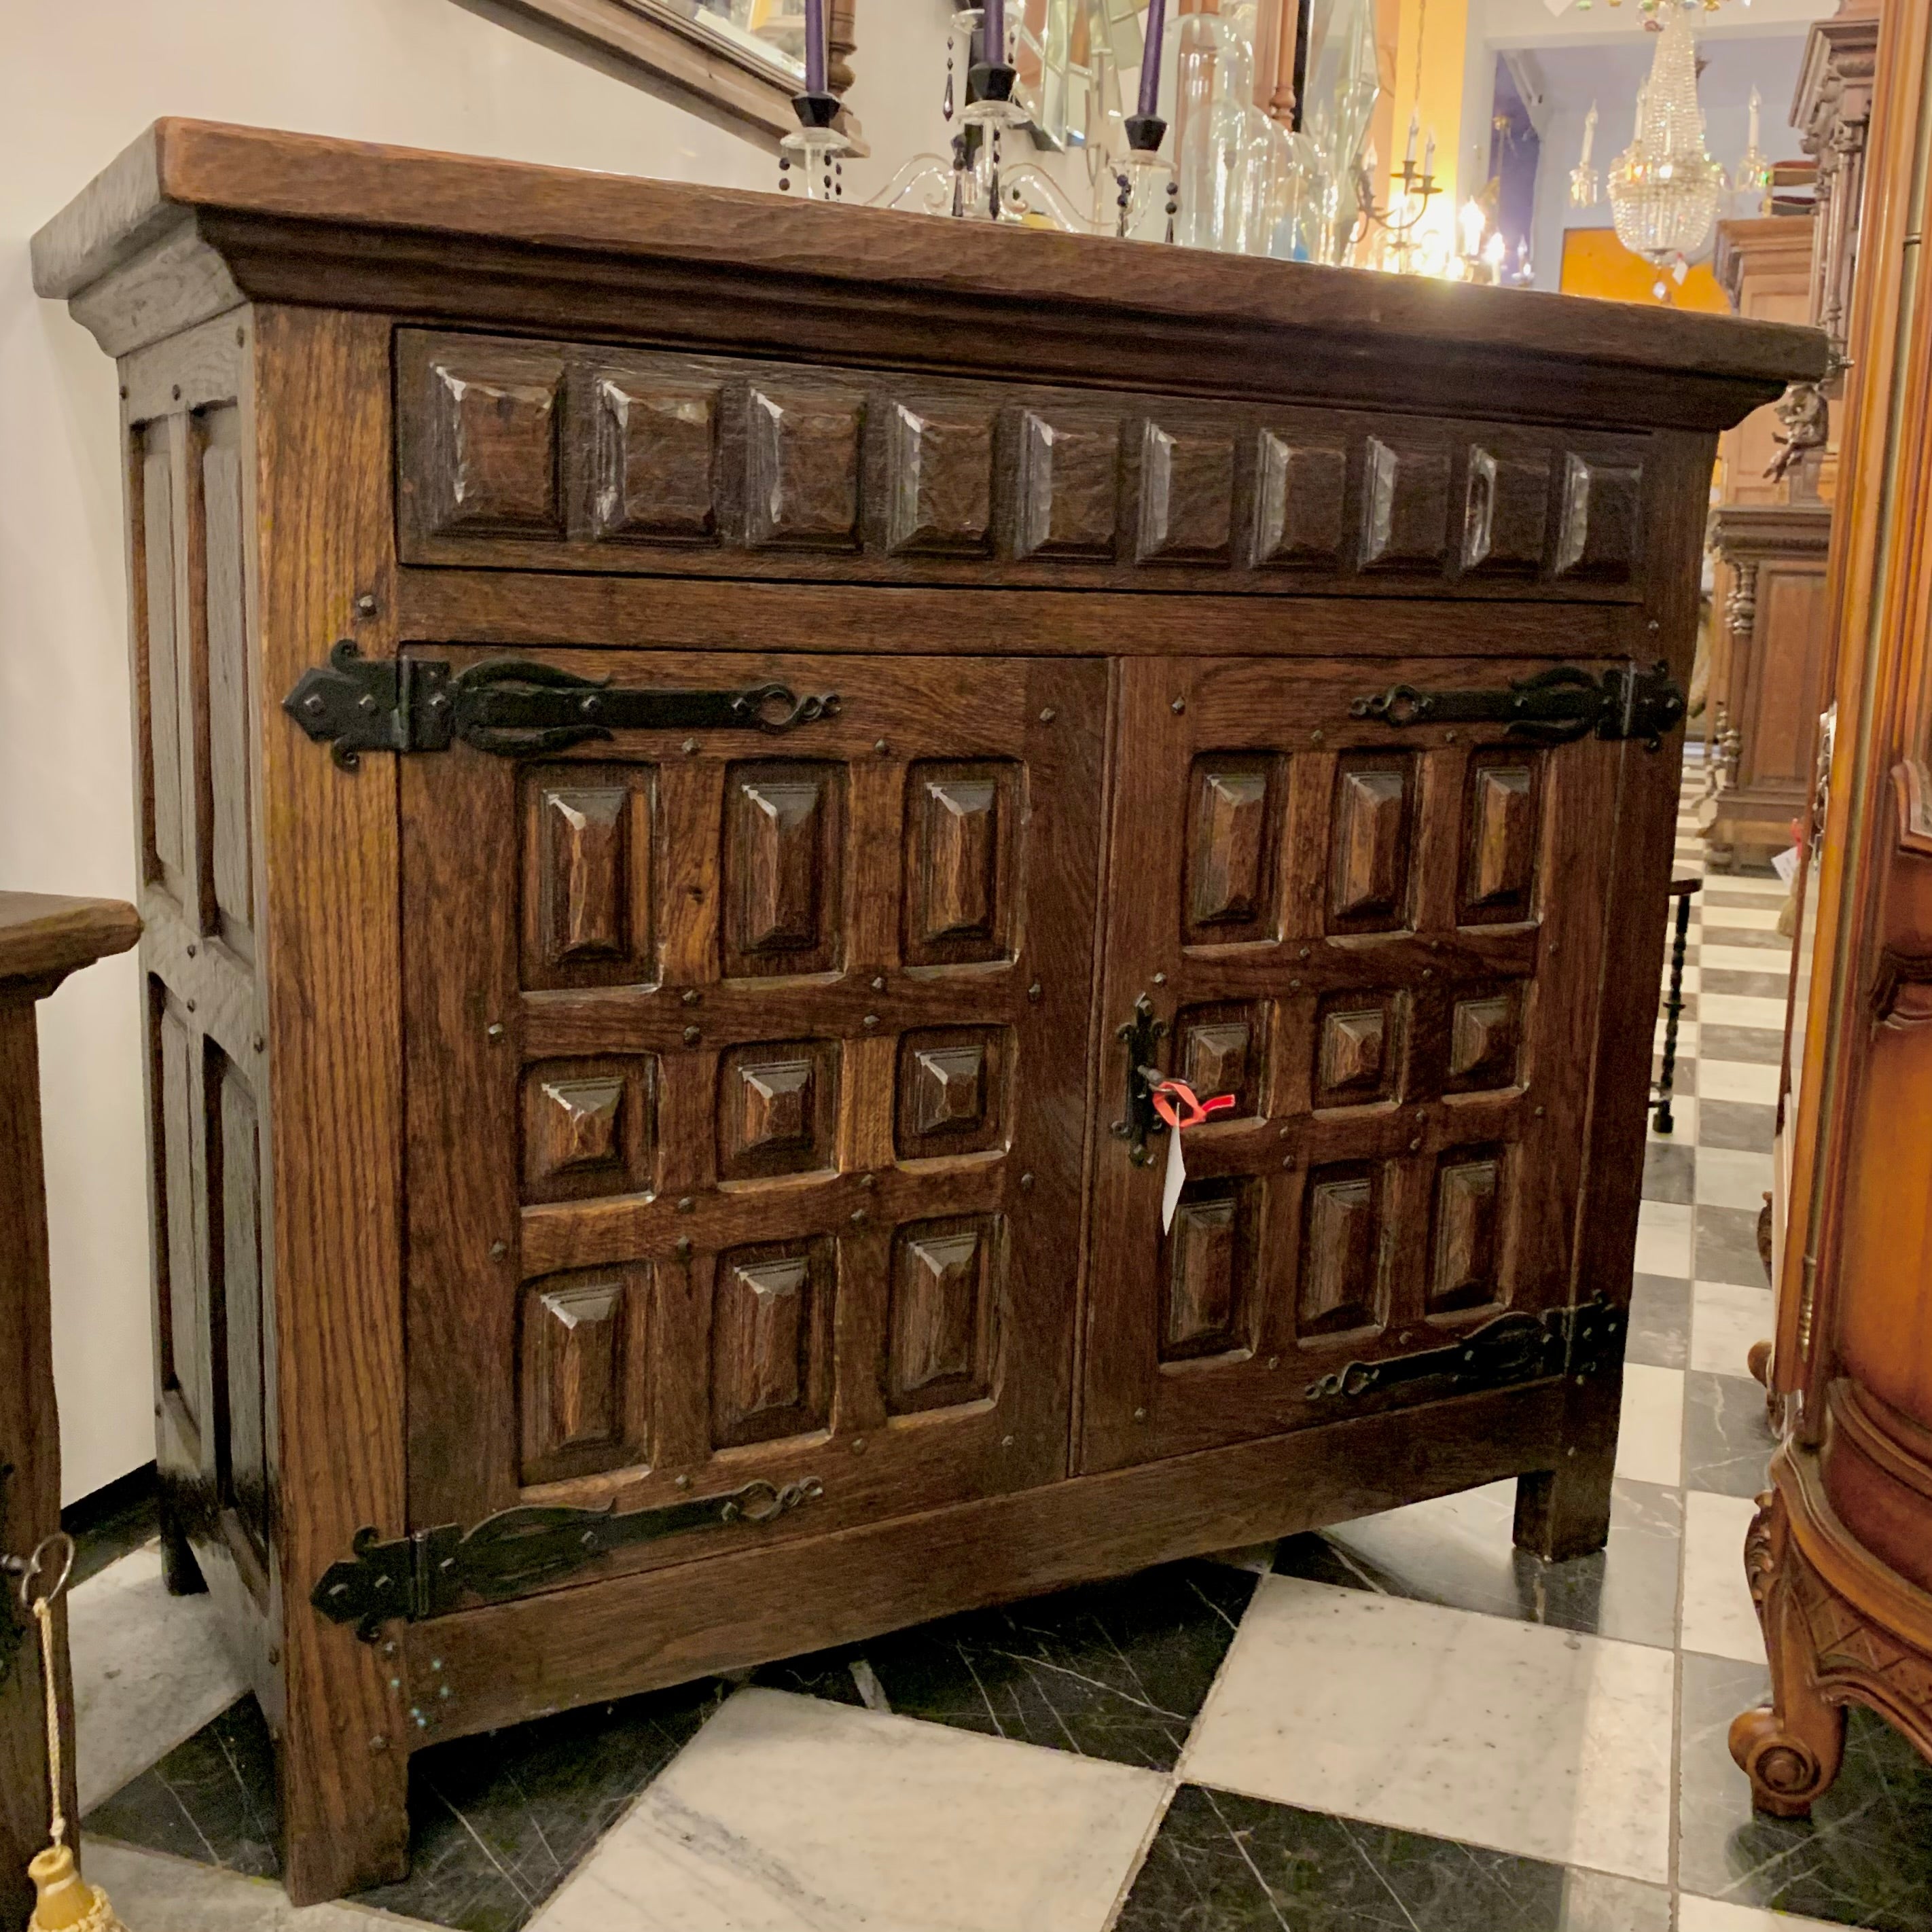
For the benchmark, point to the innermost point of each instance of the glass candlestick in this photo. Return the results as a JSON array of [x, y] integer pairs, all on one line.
[[811, 159]]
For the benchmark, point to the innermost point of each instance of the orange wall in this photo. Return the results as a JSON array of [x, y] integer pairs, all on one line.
[[1596, 263]]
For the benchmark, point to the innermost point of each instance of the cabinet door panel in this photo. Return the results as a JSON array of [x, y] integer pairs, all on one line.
[[747, 1078], [1386, 945]]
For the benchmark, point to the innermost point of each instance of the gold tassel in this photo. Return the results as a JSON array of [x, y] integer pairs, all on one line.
[[66, 1902]]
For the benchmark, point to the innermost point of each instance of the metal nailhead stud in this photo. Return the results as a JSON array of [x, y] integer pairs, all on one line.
[[858, 1445], [871, 1019], [1179, 705], [1140, 1415], [860, 1217], [1160, 979], [365, 605], [1006, 1442], [494, 1030], [1033, 992], [686, 1204], [1047, 716], [880, 746], [690, 748], [1315, 737], [691, 996], [692, 1036], [879, 984], [192, 949], [498, 1249], [1026, 1182], [684, 1482], [1415, 1147]]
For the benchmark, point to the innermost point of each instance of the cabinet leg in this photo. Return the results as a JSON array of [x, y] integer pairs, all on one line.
[[1565, 1512], [1791, 1748], [345, 1817], [181, 1573]]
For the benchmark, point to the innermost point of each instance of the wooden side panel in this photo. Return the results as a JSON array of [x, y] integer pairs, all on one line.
[[185, 1328], [231, 858], [163, 667], [238, 1333]]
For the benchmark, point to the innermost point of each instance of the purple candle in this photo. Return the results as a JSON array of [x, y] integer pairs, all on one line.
[[814, 47], [1157, 27], [996, 33]]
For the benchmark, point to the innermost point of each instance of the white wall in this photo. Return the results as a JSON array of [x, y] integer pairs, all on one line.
[[77, 83]]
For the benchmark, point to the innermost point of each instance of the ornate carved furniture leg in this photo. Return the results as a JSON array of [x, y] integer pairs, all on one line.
[[42, 940]]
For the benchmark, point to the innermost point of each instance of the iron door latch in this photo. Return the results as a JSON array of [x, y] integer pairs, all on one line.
[[1556, 706], [517, 1551], [1518, 1347], [512, 707]]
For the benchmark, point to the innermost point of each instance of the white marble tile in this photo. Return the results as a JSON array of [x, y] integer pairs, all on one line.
[[789, 1814], [1737, 1080], [1537, 1741], [1687, 1040], [1751, 882], [1663, 1239], [1690, 973], [1684, 1115], [1722, 959], [1718, 1618], [1713, 1915], [1740, 918], [154, 1893], [1650, 1430], [1729, 1177], [149, 1670], [1726, 1320], [1740, 1010]]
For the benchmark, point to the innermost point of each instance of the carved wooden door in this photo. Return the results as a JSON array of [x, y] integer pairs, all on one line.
[[746, 1079], [1386, 944]]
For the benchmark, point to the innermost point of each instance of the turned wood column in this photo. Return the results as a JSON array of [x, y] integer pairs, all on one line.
[[42, 940]]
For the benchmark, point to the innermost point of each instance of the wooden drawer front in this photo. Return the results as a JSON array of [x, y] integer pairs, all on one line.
[[548, 456]]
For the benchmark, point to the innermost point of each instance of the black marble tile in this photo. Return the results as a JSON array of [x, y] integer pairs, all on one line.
[[112, 1522], [1669, 1171], [1460, 1551], [1660, 1322], [1727, 1441], [1221, 1863], [1763, 1046], [497, 1823], [1724, 1247], [1736, 1123], [1769, 985], [1117, 1670], [1865, 1856]]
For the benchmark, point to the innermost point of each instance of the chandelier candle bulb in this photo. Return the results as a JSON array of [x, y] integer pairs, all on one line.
[[1415, 134], [1589, 136], [1756, 103]]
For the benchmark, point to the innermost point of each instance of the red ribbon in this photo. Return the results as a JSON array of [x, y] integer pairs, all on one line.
[[1172, 1095]]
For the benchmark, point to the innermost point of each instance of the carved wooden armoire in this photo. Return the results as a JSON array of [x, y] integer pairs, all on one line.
[[1839, 1559], [700, 757]]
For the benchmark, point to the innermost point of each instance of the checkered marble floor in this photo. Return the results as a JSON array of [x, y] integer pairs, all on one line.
[[1404, 1723]]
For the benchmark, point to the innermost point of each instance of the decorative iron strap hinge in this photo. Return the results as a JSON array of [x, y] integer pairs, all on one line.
[[1555, 706], [511, 707], [519, 1550], [1514, 1348]]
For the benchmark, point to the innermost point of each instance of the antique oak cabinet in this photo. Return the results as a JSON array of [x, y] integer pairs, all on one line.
[[697, 757]]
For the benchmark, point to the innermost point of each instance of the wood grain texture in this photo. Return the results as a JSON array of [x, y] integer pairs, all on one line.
[[44, 936]]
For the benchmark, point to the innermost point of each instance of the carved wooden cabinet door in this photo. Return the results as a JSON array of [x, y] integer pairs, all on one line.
[[1386, 944], [746, 1083]]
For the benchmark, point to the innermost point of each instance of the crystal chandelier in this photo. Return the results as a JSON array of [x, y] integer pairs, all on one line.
[[1664, 187]]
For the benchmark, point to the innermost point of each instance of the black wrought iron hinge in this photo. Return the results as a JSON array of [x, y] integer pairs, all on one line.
[[1141, 1036], [1555, 706], [1515, 1347], [512, 707], [519, 1550]]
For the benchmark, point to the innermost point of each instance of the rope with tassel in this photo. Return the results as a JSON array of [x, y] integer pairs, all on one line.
[[66, 1902]]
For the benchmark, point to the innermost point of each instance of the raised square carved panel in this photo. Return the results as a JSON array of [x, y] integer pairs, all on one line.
[[1355, 1054], [959, 858], [656, 460], [771, 1341], [1369, 873], [1484, 1035], [1406, 511], [939, 486], [1210, 1257], [1506, 513], [491, 463], [1069, 488], [777, 1108], [1465, 1254], [1220, 1051], [950, 1091], [940, 1325], [586, 875], [802, 468], [1602, 523], [1340, 1271], [1499, 864], [587, 1127], [1234, 802], [581, 1359], [1300, 503], [1187, 496], [783, 849]]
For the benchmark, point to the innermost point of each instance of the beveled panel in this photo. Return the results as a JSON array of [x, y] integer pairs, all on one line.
[[940, 1324], [586, 919], [1406, 511], [587, 1127], [939, 485], [169, 787], [234, 1282], [230, 862], [1369, 876], [951, 1096], [1499, 867], [1355, 1058], [783, 856], [961, 826], [590, 911], [1234, 802], [1300, 503], [181, 1283], [1220, 1052], [802, 468], [1602, 523], [1465, 1253], [1069, 488], [1484, 1035], [771, 1341], [777, 1108], [574, 1375], [492, 457], [1187, 497], [1207, 1289], [1341, 1251], [1506, 513], [656, 476]]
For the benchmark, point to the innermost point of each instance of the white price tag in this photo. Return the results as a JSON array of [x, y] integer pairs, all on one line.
[[1176, 1179]]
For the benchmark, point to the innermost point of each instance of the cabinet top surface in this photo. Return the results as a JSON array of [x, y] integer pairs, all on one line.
[[45, 936], [342, 224]]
